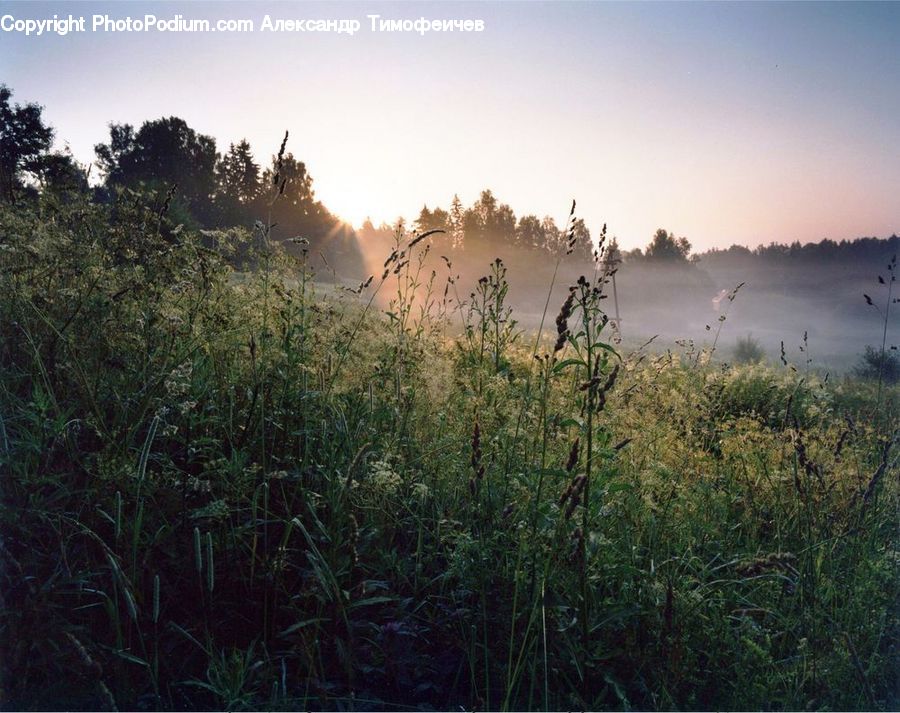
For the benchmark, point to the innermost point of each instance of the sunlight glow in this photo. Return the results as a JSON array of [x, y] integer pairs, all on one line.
[[721, 122]]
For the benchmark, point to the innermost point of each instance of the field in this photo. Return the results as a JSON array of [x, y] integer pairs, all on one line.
[[247, 493]]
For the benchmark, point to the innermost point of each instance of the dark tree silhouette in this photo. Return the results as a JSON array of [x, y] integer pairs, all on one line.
[[665, 247], [291, 209], [163, 153], [613, 252], [238, 184], [489, 220], [437, 219], [24, 139], [875, 365], [60, 174]]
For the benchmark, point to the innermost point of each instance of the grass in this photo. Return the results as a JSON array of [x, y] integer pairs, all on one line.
[[242, 494]]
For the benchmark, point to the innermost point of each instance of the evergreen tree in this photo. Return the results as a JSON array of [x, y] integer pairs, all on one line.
[[238, 184]]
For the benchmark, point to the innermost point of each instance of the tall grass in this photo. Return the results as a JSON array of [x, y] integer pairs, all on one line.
[[225, 491]]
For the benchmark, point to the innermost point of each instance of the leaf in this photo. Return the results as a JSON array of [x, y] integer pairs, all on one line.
[[572, 361], [551, 471], [607, 347], [189, 637], [130, 658], [372, 600], [300, 624], [569, 422]]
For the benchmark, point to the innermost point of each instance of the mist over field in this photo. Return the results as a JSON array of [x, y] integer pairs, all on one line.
[[811, 299]]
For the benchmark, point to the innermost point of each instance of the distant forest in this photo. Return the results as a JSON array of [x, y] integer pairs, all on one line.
[[205, 189]]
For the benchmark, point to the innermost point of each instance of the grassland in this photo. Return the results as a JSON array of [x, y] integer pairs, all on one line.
[[242, 494]]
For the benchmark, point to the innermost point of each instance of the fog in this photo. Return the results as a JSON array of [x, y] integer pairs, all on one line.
[[814, 306]]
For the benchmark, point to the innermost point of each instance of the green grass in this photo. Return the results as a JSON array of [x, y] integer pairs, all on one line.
[[245, 494]]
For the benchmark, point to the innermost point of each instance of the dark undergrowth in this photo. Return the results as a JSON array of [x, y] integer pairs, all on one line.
[[239, 494]]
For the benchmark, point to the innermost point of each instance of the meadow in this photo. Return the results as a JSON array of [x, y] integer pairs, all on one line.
[[225, 488]]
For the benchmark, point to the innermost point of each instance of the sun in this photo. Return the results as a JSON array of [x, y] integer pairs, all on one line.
[[350, 205]]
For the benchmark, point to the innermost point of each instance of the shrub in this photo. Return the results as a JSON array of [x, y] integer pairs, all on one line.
[[875, 364], [748, 351]]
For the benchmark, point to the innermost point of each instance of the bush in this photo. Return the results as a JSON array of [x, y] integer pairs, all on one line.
[[874, 365], [748, 351]]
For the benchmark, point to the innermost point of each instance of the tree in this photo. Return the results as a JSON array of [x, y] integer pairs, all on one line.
[[748, 351], [613, 253], [492, 220], [878, 365], [503, 227], [529, 233], [163, 153], [553, 237], [582, 245], [298, 190], [110, 156], [291, 205], [665, 247], [24, 139], [485, 209], [60, 174], [438, 219], [472, 227], [423, 222], [238, 184]]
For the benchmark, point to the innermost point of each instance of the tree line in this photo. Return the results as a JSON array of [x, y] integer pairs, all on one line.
[[205, 188], [208, 189], [824, 252], [490, 221]]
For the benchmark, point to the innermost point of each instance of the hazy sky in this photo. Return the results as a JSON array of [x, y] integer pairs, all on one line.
[[722, 122]]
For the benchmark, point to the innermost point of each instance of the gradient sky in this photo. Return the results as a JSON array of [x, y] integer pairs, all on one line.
[[723, 122]]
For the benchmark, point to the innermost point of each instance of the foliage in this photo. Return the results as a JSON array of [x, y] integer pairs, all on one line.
[[876, 365], [24, 139], [748, 351], [232, 491], [162, 153], [666, 248]]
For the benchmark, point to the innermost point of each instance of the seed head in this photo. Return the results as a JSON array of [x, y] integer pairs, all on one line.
[[562, 322], [573, 456]]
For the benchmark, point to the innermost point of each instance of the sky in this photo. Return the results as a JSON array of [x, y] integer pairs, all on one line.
[[722, 122]]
